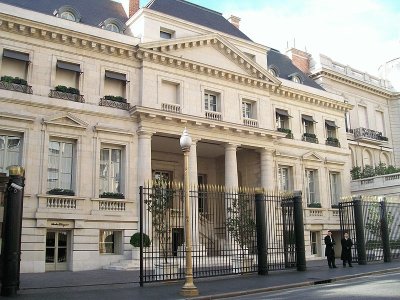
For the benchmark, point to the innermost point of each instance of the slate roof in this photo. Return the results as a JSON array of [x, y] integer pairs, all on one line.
[[93, 11], [285, 68], [196, 14]]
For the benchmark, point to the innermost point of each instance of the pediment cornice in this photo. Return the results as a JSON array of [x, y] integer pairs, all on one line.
[[65, 120]]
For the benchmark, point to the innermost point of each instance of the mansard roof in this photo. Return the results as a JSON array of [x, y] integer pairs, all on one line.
[[285, 68], [93, 12], [196, 14]]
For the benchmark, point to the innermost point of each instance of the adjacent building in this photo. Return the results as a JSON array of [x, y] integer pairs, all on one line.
[[94, 101]]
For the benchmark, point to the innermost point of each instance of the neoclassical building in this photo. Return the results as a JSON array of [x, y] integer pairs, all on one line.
[[94, 101]]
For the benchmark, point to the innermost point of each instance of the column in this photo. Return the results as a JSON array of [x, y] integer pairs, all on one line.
[[231, 172], [144, 174], [193, 187], [267, 169]]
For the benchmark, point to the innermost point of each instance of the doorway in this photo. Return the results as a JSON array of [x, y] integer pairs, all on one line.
[[177, 239], [57, 245]]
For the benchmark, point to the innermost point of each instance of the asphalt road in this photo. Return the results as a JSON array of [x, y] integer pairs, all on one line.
[[386, 286]]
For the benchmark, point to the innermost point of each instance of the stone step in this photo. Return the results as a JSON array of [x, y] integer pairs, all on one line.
[[126, 264]]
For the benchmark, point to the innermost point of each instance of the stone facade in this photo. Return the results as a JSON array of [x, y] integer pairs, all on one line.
[[200, 79]]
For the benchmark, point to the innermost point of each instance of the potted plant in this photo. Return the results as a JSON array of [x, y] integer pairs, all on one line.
[[241, 227], [158, 205], [314, 205], [115, 98], [112, 195], [58, 191], [135, 242]]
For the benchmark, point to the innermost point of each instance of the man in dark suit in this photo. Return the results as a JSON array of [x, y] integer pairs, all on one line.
[[329, 250], [346, 249]]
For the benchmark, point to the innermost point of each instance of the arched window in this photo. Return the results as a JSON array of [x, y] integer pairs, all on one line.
[[68, 16], [385, 159], [112, 27], [367, 158], [296, 79], [67, 12], [113, 24]]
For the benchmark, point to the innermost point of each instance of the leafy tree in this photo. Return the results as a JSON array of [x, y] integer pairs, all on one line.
[[368, 171], [355, 173]]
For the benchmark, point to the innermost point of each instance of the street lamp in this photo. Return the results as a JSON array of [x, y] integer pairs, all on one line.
[[188, 289]]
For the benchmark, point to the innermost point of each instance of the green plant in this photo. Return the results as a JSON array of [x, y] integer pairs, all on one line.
[[310, 135], [391, 169], [7, 79], [314, 205], [135, 240], [355, 173], [58, 191], [64, 89], [380, 169], [368, 171], [335, 205], [115, 98], [157, 204], [72, 90], [15, 80], [112, 195], [332, 139], [240, 222]]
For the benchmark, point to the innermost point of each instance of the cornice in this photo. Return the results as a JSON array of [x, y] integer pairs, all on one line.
[[65, 37], [145, 113], [354, 83]]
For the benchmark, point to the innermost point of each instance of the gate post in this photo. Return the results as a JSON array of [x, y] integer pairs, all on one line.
[[299, 231], [12, 232], [387, 256], [261, 225], [359, 224]]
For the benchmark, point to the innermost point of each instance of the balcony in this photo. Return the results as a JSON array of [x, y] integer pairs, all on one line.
[[213, 115], [250, 122], [66, 96], [334, 142], [289, 134], [174, 108], [310, 138], [115, 102], [384, 183], [369, 135], [22, 88]]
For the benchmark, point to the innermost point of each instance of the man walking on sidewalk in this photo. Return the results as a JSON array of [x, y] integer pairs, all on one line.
[[329, 250]]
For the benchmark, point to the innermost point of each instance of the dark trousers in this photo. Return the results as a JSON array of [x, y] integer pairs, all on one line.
[[331, 261], [348, 261]]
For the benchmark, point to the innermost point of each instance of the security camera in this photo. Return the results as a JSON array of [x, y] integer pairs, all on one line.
[[16, 186]]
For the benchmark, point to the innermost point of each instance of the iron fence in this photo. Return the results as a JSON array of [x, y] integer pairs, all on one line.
[[224, 237]]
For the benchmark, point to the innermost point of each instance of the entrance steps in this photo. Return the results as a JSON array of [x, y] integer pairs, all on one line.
[[124, 265]]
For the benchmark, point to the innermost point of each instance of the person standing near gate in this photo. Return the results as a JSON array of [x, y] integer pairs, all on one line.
[[346, 250], [329, 250]]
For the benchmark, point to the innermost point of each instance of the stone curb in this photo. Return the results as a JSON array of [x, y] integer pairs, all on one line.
[[290, 286]]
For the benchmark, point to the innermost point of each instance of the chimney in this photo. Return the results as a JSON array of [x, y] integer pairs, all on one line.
[[234, 21], [300, 59], [133, 7]]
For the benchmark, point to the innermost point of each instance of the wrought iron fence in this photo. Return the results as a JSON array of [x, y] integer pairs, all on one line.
[[224, 237], [66, 96]]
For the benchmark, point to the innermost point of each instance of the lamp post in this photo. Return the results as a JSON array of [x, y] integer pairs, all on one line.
[[188, 289]]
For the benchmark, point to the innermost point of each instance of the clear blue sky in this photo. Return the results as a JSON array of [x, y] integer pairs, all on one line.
[[360, 33]]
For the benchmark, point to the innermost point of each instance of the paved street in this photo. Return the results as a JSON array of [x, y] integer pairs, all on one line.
[[380, 286]]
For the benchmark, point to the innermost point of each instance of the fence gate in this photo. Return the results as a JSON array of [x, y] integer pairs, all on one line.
[[223, 230]]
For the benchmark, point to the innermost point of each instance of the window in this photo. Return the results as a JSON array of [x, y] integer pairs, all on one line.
[[247, 108], [347, 120], [165, 35], [311, 186], [296, 79], [210, 102], [113, 24], [362, 116], [10, 152], [68, 12], [115, 84], [272, 72], [110, 242], [284, 178], [60, 165], [67, 74], [110, 170], [330, 127], [335, 187], [314, 242], [282, 118], [14, 64], [380, 123], [308, 124], [112, 27], [68, 16]]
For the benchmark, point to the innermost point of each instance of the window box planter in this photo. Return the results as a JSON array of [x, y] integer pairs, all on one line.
[[112, 195], [289, 134], [314, 205], [334, 142], [310, 138], [66, 93], [115, 102], [335, 206], [15, 84], [64, 192]]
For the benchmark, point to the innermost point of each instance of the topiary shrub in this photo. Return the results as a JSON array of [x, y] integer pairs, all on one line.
[[135, 240]]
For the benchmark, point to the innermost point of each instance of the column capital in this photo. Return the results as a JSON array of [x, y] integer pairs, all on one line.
[[231, 146], [141, 132], [266, 150]]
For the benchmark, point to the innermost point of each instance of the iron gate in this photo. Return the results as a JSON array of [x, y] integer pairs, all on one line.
[[224, 237]]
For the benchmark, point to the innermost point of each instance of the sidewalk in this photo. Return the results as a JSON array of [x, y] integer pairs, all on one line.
[[108, 284]]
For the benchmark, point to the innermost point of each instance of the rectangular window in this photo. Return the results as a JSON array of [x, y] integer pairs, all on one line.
[[247, 109], [110, 242], [210, 102], [68, 74], [165, 34], [110, 170], [284, 178], [60, 165], [330, 127], [14, 64], [10, 151], [334, 187], [115, 84], [282, 118], [311, 176], [313, 242], [308, 124], [380, 123], [362, 116]]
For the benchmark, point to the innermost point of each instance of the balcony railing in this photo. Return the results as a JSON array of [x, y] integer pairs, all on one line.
[[289, 134], [333, 143], [22, 88], [309, 139], [174, 108], [368, 134], [66, 96], [391, 181], [250, 122], [213, 115], [114, 104]]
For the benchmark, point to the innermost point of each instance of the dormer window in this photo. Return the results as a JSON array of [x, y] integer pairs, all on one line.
[[296, 77], [113, 24], [273, 71], [166, 33], [67, 12]]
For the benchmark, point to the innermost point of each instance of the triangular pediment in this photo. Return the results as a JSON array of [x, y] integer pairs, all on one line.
[[66, 120], [211, 50], [312, 156]]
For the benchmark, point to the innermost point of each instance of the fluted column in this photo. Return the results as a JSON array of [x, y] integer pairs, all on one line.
[[193, 185], [231, 172], [267, 169]]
